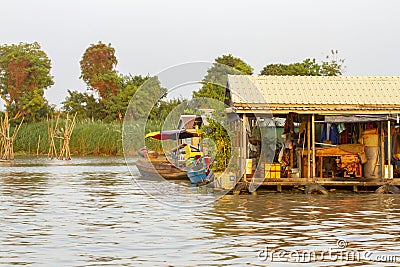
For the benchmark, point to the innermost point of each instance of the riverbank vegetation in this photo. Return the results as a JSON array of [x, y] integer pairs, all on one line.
[[25, 75], [89, 138]]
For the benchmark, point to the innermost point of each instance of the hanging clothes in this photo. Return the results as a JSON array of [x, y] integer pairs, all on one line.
[[324, 134], [334, 134], [330, 132], [344, 135], [289, 124]]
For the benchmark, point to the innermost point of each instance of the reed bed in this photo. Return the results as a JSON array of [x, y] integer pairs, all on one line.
[[88, 138]]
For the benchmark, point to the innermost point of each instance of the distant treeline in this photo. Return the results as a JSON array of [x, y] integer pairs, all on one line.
[[26, 74]]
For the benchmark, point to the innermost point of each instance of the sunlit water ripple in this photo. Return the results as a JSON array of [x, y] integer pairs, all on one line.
[[89, 212]]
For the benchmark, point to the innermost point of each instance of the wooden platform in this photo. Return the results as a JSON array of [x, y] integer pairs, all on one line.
[[353, 184]]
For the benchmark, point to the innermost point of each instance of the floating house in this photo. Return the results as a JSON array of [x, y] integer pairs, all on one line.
[[339, 131]]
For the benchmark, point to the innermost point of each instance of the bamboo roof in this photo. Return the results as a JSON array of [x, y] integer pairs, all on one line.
[[314, 94]]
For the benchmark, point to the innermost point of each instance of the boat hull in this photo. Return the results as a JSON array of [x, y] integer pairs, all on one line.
[[197, 176], [160, 167]]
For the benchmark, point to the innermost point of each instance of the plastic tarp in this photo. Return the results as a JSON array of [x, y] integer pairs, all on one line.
[[354, 119], [172, 134]]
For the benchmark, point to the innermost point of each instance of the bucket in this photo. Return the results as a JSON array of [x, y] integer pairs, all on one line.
[[372, 166], [363, 157], [370, 140]]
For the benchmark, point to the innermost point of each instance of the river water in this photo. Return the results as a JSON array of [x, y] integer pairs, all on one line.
[[89, 212]]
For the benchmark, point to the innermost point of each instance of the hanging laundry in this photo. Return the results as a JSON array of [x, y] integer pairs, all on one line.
[[334, 134], [341, 127], [330, 132]]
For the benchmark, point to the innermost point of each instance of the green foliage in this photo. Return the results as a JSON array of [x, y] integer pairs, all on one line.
[[215, 81], [332, 66], [214, 84], [163, 108], [308, 67], [28, 137], [149, 95], [116, 91], [115, 106], [235, 63], [97, 138], [84, 105], [34, 105], [24, 75], [216, 132]]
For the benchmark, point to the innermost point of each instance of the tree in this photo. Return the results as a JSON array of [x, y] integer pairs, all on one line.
[[214, 84], [116, 105], [163, 108], [332, 66], [24, 75], [215, 81], [98, 69], [84, 105]]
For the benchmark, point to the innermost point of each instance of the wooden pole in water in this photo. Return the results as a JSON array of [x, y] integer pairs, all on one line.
[[2, 138], [14, 135], [65, 152], [7, 142], [38, 144], [51, 128], [389, 153]]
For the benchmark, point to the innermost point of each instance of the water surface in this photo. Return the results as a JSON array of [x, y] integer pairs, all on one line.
[[89, 212]]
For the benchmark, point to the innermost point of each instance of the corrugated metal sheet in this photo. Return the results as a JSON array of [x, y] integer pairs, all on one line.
[[317, 93]]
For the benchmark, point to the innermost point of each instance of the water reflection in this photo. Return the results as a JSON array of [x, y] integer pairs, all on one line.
[[90, 212]]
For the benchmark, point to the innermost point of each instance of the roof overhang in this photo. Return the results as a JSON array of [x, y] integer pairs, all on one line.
[[321, 110]]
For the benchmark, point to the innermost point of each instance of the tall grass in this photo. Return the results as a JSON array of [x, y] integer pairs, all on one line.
[[28, 136], [97, 138], [88, 138]]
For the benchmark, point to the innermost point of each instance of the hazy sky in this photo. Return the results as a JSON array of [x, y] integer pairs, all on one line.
[[150, 35]]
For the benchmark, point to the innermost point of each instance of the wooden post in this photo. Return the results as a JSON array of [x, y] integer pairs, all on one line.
[[308, 148], [38, 145], [244, 136], [52, 134], [313, 145], [382, 152], [389, 153], [7, 139], [279, 188], [244, 143]]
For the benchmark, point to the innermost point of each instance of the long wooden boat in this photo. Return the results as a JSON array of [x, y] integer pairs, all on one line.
[[152, 167]]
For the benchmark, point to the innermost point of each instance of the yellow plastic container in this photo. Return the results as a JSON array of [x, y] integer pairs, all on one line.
[[273, 170], [249, 166]]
